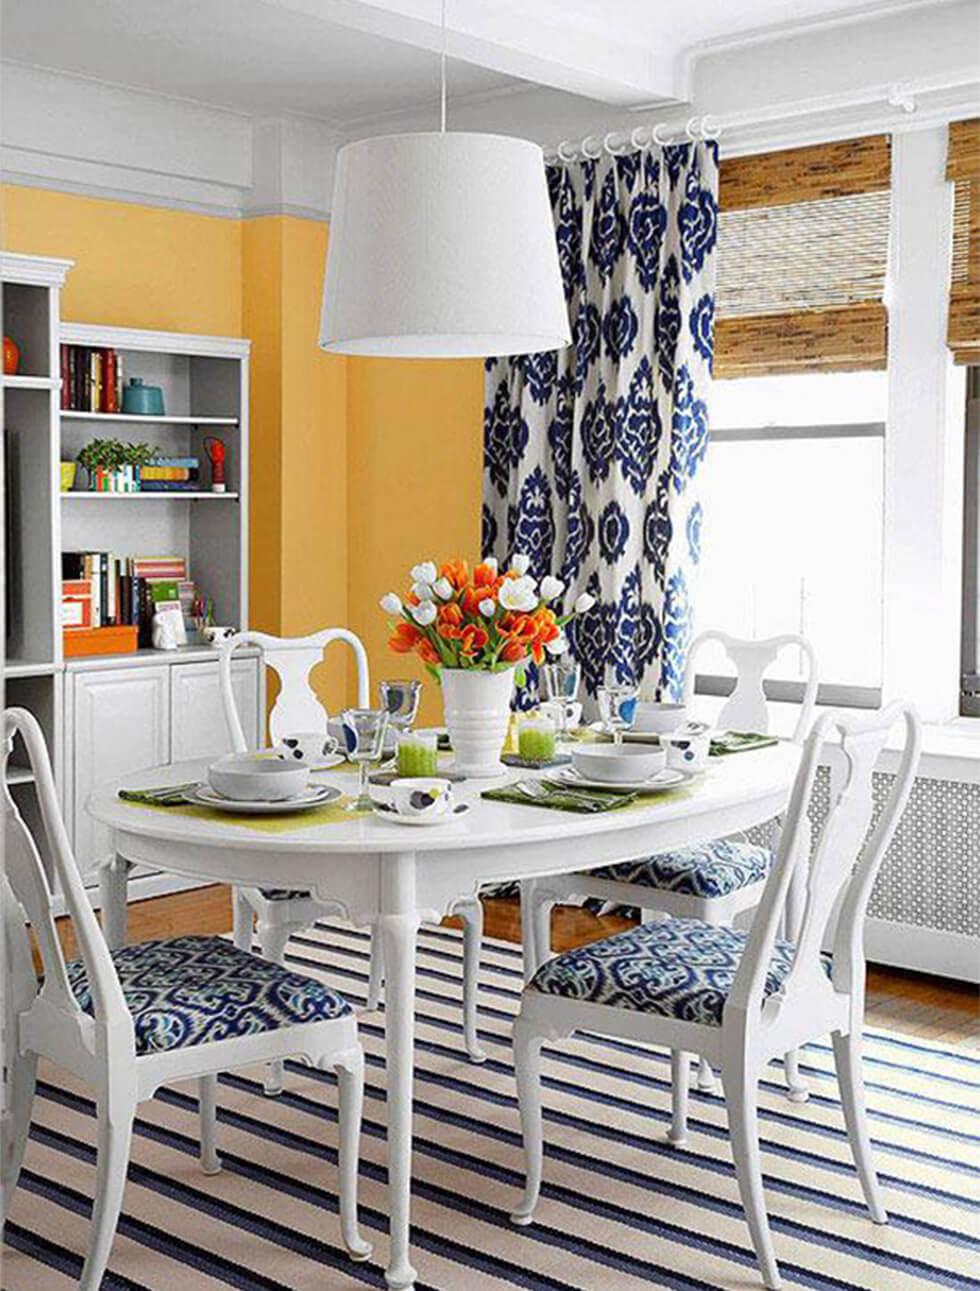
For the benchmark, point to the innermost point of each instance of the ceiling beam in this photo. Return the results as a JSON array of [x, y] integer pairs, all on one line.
[[531, 41]]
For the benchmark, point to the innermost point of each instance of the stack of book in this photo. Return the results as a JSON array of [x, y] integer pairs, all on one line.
[[91, 379], [171, 475], [101, 590]]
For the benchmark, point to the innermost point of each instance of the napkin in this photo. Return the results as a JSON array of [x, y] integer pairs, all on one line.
[[560, 798], [739, 742], [169, 795]]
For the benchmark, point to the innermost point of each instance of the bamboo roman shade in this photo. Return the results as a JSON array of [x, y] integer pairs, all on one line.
[[802, 258], [963, 170]]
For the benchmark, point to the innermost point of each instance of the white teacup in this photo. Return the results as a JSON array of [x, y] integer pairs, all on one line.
[[573, 712], [422, 796], [215, 635], [306, 748], [687, 748]]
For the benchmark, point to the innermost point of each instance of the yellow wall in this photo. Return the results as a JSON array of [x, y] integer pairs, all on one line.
[[360, 467]]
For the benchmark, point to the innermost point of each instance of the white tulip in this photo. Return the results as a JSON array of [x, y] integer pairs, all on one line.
[[520, 563], [488, 608], [423, 591], [391, 604], [518, 594], [584, 603], [443, 588], [424, 614], [490, 562], [425, 573], [558, 646], [551, 588]]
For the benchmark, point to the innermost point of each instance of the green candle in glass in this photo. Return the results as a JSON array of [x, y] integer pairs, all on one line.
[[536, 739], [418, 753]]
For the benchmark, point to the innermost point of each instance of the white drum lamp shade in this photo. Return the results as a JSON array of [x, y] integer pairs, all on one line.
[[442, 246]]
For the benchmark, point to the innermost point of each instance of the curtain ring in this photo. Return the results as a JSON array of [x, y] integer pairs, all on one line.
[[657, 137], [597, 142], [692, 130], [708, 131], [560, 151], [610, 147], [636, 139]]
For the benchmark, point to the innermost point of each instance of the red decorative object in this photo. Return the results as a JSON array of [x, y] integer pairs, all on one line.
[[11, 357], [215, 450]]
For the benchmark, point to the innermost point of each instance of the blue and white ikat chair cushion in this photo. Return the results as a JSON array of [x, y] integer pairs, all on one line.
[[714, 869], [679, 968], [191, 990], [284, 894]]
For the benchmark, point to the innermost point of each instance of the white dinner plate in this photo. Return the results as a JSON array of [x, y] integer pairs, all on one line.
[[666, 779], [315, 796], [396, 818]]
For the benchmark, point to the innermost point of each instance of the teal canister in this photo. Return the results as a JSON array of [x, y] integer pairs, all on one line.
[[141, 400]]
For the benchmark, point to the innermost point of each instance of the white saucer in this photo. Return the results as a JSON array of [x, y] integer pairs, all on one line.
[[666, 779], [331, 760], [458, 812], [315, 796]]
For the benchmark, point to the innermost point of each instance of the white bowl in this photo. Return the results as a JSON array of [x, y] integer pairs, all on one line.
[[617, 765], [252, 777], [657, 719]]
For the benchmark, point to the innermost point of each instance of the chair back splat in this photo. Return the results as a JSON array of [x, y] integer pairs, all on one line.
[[840, 870], [297, 708], [746, 708]]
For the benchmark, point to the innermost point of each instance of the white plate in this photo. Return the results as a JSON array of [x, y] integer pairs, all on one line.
[[331, 760], [659, 783], [316, 796], [458, 812]]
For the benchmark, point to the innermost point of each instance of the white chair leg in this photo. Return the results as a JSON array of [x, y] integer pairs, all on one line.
[[707, 1082], [741, 1094], [350, 1086], [536, 906], [16, 1123], [242, 917], [797, 1090], [680, 1084], [273, 939], [207, 1102], [377, 973], [527, 1071], [847, 1058], [471, 912], [115, 1130]]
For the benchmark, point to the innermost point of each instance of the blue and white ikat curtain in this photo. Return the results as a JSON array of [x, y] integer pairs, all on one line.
[[591, 454]]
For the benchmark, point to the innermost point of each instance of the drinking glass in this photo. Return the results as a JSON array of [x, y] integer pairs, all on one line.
[[536, 739], [417, 753], [400, 699], [364, 736], [561, 682], [617, 708]]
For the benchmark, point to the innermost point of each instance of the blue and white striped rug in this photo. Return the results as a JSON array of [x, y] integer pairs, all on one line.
[[620, 1210]]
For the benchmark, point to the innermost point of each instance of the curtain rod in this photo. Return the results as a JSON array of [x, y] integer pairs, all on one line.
[[900, 96]]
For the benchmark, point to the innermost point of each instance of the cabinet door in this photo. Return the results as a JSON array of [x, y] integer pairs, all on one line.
[[197, 715], [121, 724]]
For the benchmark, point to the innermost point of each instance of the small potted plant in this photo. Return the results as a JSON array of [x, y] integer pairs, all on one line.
[[473, 630], [114, 467]]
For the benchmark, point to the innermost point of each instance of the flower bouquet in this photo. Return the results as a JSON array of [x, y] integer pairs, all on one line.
[[473, 630]]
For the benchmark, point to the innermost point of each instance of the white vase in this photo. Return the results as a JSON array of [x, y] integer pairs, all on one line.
[[477, 707]]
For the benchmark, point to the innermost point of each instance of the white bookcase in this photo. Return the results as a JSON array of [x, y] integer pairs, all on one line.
[[107, 715]]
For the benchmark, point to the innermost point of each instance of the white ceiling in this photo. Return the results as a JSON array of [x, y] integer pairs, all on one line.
[[342, 60]]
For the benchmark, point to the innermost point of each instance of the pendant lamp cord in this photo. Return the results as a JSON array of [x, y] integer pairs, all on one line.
[[442, 70]]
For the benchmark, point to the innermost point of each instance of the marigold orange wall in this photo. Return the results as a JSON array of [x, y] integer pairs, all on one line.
[[360, 467]]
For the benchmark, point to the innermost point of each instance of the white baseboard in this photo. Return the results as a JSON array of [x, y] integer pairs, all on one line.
[[925, 950]]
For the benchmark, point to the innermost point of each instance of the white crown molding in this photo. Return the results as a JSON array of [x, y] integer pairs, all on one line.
[[33, 271], [117, 189], [135, 338]]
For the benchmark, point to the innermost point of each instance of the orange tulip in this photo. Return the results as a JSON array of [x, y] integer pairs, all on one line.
[[512, 652], [458, 573], [486, 576], [473, 640], [449, 621], [471, 598], [427, 651], [405, 638]]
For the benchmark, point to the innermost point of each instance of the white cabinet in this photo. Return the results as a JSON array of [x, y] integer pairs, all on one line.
[[197, 717], [119, 722]]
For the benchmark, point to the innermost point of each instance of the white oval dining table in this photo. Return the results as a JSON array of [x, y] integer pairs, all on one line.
[[392, 878]]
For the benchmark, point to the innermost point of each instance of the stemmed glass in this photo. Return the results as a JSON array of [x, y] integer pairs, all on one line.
[[561, 682], [400, 700], [617, 708], [364, 736]]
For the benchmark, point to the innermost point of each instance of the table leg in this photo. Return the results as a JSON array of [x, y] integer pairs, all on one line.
[[398, 928], [113, 883]]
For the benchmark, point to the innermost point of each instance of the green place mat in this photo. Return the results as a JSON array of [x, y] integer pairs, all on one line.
[[740, 742], [590, 803], [331, 813]]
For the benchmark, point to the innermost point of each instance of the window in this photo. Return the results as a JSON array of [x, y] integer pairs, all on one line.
[[793, 498], [970, 694]]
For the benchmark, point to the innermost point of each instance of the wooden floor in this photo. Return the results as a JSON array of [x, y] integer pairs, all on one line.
[[931, 1007]]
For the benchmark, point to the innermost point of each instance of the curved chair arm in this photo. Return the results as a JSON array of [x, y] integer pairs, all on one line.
[[360, 659], [751, 659], [232, 719]]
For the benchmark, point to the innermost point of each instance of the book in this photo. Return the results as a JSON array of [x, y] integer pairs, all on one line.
[[76, 603]]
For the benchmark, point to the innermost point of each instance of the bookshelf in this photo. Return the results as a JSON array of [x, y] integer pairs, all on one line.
[[105, 715]]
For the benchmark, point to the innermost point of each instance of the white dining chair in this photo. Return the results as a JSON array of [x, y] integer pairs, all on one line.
[[715, 881], [129, 1021], [280, 913], [741, 998]]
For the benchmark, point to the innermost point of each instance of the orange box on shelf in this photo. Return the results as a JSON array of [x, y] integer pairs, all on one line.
[[115, 640]]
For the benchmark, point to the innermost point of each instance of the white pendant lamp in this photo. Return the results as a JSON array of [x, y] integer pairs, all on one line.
[[442, 245]]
